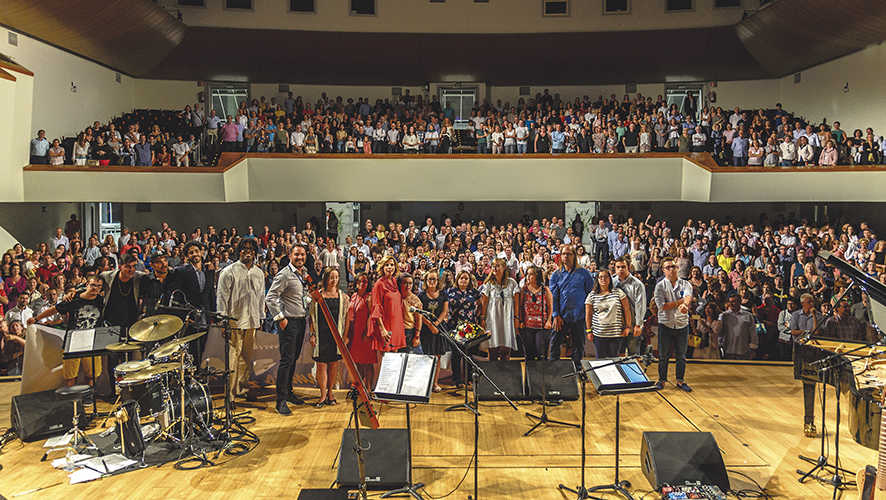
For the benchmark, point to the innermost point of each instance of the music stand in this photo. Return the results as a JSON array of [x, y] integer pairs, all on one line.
[[467, 346], [406, 378], [90, 343], [614, 376]]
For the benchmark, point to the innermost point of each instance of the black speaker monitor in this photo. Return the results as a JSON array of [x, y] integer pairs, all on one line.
[[549, 374], [386, 457], [676, 457], [507, 375], [41, 415]]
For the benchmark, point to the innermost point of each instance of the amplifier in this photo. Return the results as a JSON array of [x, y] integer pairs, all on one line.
[[692, 490], [41, 415]]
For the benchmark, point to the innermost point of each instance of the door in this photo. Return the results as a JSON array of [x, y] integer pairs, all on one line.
[[457, 103], [226, 99], [678, 95]]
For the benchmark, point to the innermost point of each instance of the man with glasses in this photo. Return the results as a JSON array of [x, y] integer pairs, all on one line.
[[673, 297], [84, 311], [636, 292], [804, 321], [570, 285]]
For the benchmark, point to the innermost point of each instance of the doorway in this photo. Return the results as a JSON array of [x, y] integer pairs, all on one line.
[[679, 95], [457, 102]]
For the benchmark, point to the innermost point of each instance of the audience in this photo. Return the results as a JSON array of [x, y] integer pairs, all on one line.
[[744, 276], [414, 124]]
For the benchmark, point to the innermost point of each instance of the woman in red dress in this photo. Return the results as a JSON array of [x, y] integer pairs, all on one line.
[[361, 343], [386, 316]]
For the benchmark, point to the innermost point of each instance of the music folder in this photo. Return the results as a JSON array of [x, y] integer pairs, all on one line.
[[89, 342], [406, 377], [616, 377]]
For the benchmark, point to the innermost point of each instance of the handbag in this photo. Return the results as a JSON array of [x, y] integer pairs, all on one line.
[[694, 340]]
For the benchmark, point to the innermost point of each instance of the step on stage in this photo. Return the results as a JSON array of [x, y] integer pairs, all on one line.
[[755, 413]]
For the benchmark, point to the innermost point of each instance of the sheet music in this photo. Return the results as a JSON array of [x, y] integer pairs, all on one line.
[[419, 370], [608, 375], [81, 340], [389, 373]]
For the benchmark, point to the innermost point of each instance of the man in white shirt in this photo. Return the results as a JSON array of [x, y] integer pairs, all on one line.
[[522, 133], [297, 139], [788, 152], [241, 294], [180, 150], [59, 239], [673, 296], [21, 312]]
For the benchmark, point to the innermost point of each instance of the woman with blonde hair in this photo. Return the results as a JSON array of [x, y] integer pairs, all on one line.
[[386, 315], [463, 305], [499, 303], [326, 352]]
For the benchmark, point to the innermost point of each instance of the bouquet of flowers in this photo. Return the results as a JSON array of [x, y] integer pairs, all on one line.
[[465, 332]]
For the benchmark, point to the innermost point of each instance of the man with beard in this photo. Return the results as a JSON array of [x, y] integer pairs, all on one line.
[[84, 311], [241, 287], [570, 285], [123, 289], [160, 284], [198, 286]]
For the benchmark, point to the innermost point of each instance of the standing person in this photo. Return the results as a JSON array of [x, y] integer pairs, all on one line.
[[197, 281], [358, 320], [635, 290], [464, 301], [499, 303], [570, 287], [607, 317], [122, 292], [287, 300], [411, 321], [84, 312], [804, 321], [386, 316], [435, 301], [784, 329], [241, 288], [672, 299], [737, 330], [535, 315], [326, 353], [40, 149], [707, 326]]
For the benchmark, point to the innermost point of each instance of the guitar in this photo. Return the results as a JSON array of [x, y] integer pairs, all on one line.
[[345, 354], [870, 479]]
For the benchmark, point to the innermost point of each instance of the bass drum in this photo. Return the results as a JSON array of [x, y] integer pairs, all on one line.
[[198, 404]]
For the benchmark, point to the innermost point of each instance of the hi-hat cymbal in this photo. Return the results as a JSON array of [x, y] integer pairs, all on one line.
[[154, 328], [151, 373], [125, 346]]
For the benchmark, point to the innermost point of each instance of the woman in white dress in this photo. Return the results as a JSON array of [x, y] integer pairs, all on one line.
[[499, 303]]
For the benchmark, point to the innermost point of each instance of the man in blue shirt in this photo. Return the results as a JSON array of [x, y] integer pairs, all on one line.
[[570, 286], [40, 149], [144, 156], [558, 140], [740, 149], [699, 253]]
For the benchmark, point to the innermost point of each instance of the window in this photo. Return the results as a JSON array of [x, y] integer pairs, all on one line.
[[556, 7], [363, 7], [238, 4], [301, 5], [438, 1], [727, 3], [481, 1], [616, 6], [191, 3], [678, 5]]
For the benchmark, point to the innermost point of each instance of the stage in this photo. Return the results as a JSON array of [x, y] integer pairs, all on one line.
[[753, 410]]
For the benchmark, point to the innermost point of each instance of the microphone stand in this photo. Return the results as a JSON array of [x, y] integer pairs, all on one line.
[[476, 375], [543, 418]]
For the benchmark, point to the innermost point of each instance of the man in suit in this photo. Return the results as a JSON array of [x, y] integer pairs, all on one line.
[[198, 286]]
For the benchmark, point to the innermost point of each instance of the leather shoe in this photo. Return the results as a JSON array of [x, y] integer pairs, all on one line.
[[292, 398], [659, 385], [283, 409]]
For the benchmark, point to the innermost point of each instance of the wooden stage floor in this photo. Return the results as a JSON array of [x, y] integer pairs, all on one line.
[[754, 411]]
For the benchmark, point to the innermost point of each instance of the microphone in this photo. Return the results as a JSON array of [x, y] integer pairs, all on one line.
[[420, 311]]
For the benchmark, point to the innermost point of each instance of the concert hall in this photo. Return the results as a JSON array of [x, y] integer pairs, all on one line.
[[442, 249]]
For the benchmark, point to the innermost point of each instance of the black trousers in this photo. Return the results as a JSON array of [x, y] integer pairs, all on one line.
[[601, 254], [572, 332], [291, 340]]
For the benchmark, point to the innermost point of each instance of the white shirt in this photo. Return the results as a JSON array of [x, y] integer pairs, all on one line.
[[181, 148], [522, 134], [16, 314], [298, 138], [241, 294]]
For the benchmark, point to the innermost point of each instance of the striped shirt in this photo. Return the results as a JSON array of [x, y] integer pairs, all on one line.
[[608, 318]]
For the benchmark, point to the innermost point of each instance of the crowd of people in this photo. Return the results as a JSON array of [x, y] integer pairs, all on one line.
[[732, 290], [416, 124]]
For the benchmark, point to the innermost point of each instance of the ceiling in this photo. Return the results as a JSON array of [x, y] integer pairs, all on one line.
[[147, 42]]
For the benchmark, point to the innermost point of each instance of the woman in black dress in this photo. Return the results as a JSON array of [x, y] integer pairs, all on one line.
[[434, 300], [326, 353]]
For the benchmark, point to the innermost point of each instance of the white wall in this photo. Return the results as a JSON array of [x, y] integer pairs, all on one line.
[[746, 94], [459, 16], [820, 92], [99, 96]]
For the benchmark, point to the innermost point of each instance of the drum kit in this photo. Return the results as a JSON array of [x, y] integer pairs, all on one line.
[[164, 385]]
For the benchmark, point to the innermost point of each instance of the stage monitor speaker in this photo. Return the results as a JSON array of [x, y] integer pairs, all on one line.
[[386, 455], [507, 375], [323, 494], [559, 388], [41, 415], [675, 457]]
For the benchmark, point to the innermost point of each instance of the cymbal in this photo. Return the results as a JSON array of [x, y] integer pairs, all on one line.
[[189, 338], [172, 345], [125, 346], [154, 328]]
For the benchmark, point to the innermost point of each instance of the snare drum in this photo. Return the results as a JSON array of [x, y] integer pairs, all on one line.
[[128, 368], [148, 393]]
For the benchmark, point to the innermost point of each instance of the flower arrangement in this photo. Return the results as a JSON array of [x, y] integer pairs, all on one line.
[[467, 331]]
